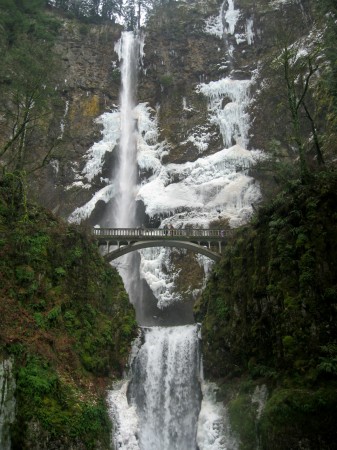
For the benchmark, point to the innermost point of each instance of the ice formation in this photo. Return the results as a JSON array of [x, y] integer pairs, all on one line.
[[83, 212], [228, 100], [95, 155], [259, 397], [231, 17], [192, 193], [157, 270], [150, 149], [249, 31], [62, 124]]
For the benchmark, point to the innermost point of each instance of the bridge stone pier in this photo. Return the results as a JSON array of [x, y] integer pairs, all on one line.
[[120, 241]]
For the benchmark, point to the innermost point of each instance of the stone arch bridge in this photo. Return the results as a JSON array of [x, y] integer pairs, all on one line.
[[120, 241]]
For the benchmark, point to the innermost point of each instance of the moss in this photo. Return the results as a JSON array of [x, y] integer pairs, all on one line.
[[67, 320], [91, 106], [242, 415], [268, 311], [61, 407], [295, 415]]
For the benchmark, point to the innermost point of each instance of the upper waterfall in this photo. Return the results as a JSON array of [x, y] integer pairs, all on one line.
[[124, 213]]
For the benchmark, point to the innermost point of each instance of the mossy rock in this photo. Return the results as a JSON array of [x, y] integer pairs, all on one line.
[[292, 416]]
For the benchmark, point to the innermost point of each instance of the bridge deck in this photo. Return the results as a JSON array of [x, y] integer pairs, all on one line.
[[143, 234], [131, 239]]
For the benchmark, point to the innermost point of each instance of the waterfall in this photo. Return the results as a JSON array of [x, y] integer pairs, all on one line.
[[167, 404], [159, 407], [164, 394], [166, 390], [124, 214]]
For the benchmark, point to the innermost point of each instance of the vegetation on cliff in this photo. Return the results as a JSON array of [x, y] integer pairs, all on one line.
[[66, 320], [27, 84], [269, 316]]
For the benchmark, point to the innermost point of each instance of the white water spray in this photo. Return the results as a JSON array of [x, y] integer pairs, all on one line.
[[165, 388]]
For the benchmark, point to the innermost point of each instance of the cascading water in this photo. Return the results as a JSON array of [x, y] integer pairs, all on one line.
[[166, 388], [162, 406], [124, 213], [159, 408]]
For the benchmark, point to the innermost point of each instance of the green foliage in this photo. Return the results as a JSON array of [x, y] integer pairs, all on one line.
[[61, 408], [293, 415], [166, 80], [24, 274], [242, 416], [60, 272], [71, 319], [27, 83], [328, 362], [36, 380], [26, 17], [268, 311], [39, 319], [53, 314], [259, 370], [91, 10]]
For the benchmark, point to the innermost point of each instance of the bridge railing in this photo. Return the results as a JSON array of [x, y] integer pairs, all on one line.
[[138, 233]]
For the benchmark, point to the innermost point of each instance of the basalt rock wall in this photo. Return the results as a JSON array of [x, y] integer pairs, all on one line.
[[183, 48]]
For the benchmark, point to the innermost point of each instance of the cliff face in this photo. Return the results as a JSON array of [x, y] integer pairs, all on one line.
[[269, 317], [212, 79], [191, 43], [184, 48], [88, 85], [66, 329]]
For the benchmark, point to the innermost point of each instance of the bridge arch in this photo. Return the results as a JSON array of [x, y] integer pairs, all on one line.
[[123, 250]]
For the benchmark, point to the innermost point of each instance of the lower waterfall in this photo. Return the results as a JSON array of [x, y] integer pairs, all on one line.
[[166, 388], [165, 405]]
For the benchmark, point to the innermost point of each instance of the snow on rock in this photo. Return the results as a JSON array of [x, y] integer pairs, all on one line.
[[228, 100], [214, 26], [278, 3], [95, 155], [156, 269], [150, 151], [202, 187], [83, 212], [200, 138]]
